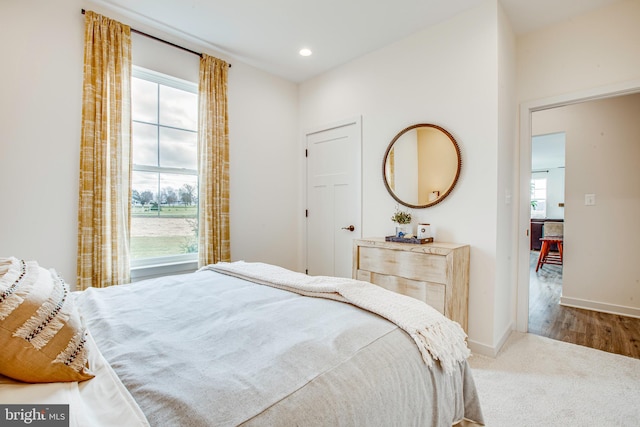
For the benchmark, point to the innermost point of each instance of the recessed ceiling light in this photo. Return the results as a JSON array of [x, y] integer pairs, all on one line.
[[305, 52]]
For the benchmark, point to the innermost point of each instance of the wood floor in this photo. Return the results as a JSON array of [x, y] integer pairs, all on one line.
[[603, 331]]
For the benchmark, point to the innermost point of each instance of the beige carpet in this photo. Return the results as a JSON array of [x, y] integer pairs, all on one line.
[[537, 381]]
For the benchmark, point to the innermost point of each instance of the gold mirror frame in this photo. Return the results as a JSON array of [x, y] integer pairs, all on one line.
[[389, 166]]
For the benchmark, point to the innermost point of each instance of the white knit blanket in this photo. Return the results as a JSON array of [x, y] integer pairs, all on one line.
[[437, 337]]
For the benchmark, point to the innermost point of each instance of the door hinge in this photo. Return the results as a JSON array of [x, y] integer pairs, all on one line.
[[306, 271], [306, 153], [306, 213]]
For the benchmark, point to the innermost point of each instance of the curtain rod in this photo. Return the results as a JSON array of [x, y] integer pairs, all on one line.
[[133, 30]]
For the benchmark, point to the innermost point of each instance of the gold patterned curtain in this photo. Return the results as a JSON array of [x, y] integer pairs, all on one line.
[[105, 155], [213, 167]]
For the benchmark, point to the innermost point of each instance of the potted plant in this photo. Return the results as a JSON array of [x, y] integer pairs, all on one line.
[[403, 219]]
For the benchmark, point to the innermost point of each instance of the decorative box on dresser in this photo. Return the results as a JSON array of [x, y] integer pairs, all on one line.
[[436, 273]]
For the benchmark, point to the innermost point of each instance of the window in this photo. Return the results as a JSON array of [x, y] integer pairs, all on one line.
[[539, 198], [164, 185]]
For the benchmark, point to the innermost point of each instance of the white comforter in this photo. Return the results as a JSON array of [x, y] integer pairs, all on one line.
[[208, 349], [438, 338]]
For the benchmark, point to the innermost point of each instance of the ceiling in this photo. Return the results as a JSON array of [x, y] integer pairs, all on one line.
[[269, 34], [548, 151]]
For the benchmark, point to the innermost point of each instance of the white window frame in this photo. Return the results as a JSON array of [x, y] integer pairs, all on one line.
[[174, 264], [544, 214]]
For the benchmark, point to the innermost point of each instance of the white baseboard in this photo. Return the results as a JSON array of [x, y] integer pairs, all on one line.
[[480, 348], [487, 350], [600, 306], [505, 336]]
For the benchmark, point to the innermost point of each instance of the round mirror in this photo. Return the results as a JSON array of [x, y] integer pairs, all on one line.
[[421, 165]]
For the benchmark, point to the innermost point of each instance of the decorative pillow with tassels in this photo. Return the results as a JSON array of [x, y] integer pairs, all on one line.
[[41, 333]]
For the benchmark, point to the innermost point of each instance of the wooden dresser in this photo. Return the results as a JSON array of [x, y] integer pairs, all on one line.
[[436, 273]]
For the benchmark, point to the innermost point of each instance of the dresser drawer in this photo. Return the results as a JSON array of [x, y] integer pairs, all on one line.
[[431, 293], [436, 273], [410, 265]]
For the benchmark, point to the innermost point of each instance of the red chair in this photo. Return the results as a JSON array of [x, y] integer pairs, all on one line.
[[552, 233]]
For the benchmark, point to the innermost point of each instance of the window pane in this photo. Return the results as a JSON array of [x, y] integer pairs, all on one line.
[[162, 236], [164, 204], [145, 100], [178, 108], [178, 149], [144, 189], [538, 198], [145, 144], [185, 188], [169, 227]]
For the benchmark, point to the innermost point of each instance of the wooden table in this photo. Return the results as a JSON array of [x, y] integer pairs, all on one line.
[[545, 256]]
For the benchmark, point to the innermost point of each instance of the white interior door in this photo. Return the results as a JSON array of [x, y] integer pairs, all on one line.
[[334, 197]]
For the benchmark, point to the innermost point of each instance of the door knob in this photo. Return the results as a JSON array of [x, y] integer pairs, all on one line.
[[350, 228]]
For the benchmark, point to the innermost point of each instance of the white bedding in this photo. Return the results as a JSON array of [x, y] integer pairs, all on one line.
[[207, 349], [438, 338], [101, 401]]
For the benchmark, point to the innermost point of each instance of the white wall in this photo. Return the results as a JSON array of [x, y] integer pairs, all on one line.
[[555, 193], [506, 218], [40, 113], [593, 50], [600, 270], [264, 168], [446, 75], [587, 56]]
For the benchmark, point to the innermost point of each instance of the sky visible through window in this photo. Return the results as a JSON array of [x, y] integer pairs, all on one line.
[[164, 178]]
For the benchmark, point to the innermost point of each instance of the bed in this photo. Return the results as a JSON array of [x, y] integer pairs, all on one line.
[[253, 344]]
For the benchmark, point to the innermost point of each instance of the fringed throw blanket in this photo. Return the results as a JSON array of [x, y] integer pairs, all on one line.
[[437, 337]]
